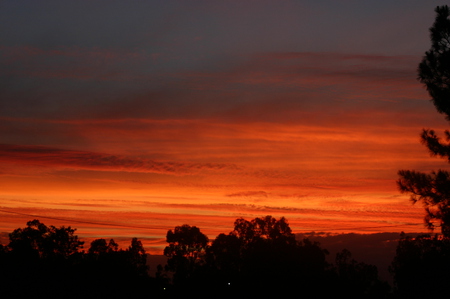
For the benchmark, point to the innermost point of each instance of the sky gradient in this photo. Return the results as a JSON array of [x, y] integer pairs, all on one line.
[[126, 119]]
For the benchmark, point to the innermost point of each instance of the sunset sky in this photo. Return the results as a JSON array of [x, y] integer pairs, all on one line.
[[127, 118]]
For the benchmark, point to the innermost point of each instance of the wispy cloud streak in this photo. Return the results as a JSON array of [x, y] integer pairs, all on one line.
[[51, 157]]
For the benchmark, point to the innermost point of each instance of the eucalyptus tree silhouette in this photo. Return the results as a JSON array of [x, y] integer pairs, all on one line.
[[187, 245], [433, 189], [100, 246], [262, 256], [46, 262], [40, 261], [43, 241], [263, 228], [137, 257]]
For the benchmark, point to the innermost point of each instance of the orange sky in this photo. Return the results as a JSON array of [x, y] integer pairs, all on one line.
[[208, 173], [129, 129]]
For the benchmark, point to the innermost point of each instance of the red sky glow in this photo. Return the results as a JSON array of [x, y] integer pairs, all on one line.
[[197, 112]]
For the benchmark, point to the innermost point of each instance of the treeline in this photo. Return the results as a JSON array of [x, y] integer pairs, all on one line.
[[48, 262], [262, 257], [258, 258]]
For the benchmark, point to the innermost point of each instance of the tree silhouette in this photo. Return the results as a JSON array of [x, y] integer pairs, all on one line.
[[420, 267], [187, 246], [433, 189], [137, 257], [224, 255], [262, 256], [43, 241], [268, 246], [358, 279], [256, 259], [99, 246], [41, 261], [263, 228], [45, 262]]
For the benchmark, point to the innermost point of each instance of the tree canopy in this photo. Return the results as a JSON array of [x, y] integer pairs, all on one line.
[[433, 189], [100, 246], [258, 257], [43, 261], [45, 241], [186, 246], [420, 267]]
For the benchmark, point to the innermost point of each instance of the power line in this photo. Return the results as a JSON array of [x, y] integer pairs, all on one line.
[[165, 228], [81, 221]]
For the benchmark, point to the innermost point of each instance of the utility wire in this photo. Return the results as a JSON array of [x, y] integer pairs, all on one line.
[[165, 228], [81, 221]]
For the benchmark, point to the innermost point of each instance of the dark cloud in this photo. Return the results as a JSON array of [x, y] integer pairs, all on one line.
[[53, 157], [249, 194], [92, 83]]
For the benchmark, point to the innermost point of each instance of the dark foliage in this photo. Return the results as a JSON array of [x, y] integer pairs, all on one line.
[[357, 279], [46, 262], [186, 248], [434, 71], [433, 189], [262, 258], [259, 258], [39, 241], [420, 268]]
